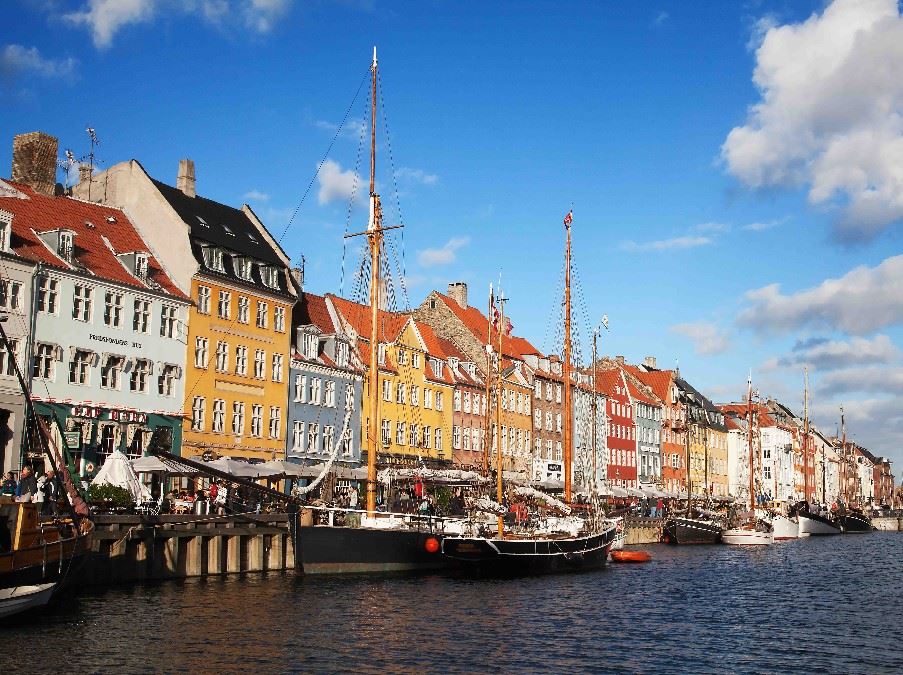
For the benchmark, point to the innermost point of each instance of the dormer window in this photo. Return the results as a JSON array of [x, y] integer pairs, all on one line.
[[64, 249], [202, 221], [341, 354], [270, 276], [141, 266], [228, 230], [242, 267], [6, 220], [310, 346], [213, 258], [381, 354]]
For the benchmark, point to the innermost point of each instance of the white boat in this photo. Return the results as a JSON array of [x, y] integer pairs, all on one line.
[[20, 598], [748, 535], [812, 524], [785, 528], [621, 536]]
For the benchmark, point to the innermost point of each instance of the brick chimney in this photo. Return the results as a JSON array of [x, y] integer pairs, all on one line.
[[34, 161], [649, 362], [457, 291], [84, 173], [185, 180], [620, 360]]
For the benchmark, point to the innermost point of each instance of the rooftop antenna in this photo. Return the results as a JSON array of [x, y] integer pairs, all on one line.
[[94, 142], [66, 165]]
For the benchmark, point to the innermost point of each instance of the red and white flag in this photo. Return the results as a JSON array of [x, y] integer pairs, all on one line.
[[568, 218]]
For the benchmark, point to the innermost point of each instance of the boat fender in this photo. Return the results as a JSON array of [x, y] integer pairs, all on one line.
[[431, 545], [666, 539]]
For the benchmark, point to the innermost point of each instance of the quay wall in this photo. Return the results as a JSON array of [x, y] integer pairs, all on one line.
[[642, 530], [888, 523], [138, 548]]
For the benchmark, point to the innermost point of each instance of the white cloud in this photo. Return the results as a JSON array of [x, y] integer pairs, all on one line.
[[863, 300], [873, 379], [875, 423], [762, 226], [442, 256], [353, 129], [667, 244], [661, 18], [256, 196], [711, 227], [830, 113], [18, 60], [338, 185], [416, 176], [829, 354], [706, 337], [104, 18]]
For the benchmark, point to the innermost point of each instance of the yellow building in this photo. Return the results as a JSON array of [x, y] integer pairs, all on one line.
[[517, 421], [415, 386], [708, 443]]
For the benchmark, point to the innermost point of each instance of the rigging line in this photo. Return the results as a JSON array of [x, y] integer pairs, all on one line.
[[325, 156], [354, 187]]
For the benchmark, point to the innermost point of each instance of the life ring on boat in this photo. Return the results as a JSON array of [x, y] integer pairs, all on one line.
[[630, 556], [89, 467], [431, 545]]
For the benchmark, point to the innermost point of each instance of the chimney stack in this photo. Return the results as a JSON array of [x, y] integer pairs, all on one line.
[[457, 291], [185, 180], [84, 173], [620, 360], [649, 362], [34, 161]]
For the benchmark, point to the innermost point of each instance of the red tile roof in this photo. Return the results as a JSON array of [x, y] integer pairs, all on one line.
[[765, 420], [315, 312], [657, 380], [477, 323], [93, 229], [389, 324]]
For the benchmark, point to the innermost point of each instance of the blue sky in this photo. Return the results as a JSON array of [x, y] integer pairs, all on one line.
[[709, 150]]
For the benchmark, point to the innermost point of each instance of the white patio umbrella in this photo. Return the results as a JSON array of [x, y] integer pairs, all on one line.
[[241, 469], [117, 471], [284, 467]]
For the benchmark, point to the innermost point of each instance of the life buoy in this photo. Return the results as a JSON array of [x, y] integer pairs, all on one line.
[[89, 467], [431, 545]]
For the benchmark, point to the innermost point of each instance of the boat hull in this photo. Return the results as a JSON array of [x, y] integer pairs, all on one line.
[[681, 530], [522, 557], [854, 523], [18, 599], [359, 550], [816, 525], [785, 528], [56, 562], [739, 536]]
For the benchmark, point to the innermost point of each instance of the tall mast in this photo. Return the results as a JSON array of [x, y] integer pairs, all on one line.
[[846, 464], [593, 428], [806, 436], [374, 238], [498, 413], [687, 443], [749, 412], [566, 435], [487, 440]]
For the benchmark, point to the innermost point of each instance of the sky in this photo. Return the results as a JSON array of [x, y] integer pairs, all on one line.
[[735, 170]]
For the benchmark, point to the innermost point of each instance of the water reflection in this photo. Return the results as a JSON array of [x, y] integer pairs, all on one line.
[[819, 605]]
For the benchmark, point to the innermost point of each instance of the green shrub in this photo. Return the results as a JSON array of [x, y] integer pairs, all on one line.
[[111, 495]]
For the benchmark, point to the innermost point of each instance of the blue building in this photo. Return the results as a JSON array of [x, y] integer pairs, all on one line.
[[325, 388]]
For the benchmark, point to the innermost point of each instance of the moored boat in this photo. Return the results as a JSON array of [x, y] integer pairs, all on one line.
[[758, 533], [695, 530], [854, 522], [18, 599], [630, 556], [785, 528]]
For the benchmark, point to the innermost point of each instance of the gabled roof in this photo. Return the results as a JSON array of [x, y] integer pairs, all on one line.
[[741, 410], [312, 310], [101, 232], [357, 315], [657, 380], [452, 352], [607, 380], [477, 323]]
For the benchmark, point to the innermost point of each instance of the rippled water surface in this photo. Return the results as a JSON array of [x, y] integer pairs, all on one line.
[[817, 605]]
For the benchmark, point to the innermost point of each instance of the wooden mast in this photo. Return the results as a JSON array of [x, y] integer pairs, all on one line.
[[498, 415], [593, 426], [752, 481], [566, 370], [487, 416], [846, 463], [374, 238], [806, 436]]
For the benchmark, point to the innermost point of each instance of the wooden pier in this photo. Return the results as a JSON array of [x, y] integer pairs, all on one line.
[[132, 548], [642, 530]]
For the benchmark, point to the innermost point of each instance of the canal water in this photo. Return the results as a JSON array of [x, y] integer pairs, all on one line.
[[827, 605]]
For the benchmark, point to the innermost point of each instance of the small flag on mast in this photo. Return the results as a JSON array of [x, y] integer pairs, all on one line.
[[569, 218]]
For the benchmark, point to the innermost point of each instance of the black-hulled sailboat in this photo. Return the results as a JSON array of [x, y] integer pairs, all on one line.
[[850, 519], [565, 545]]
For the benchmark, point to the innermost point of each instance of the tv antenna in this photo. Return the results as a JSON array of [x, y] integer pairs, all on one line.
[[94, 143]]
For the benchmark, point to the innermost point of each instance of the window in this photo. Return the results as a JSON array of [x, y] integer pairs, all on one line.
[[557, 393], [415, 359], [766, 472], [198, 409], [349, 397], [224, 306], [222, 356], [456, 437], [548, 391], [44, 358], [465, 440], [475, 442], [381, 354], [112, 314], [297, 435], [279, 319], [346, 443], [415, 395], [167, 321], [10, 294], [238, 418], [316, 388], [400, 433], [80, 367], [386, 432], [341, 354], [141, 319], [203, 299], [330, 393], [328, 437], [313, 437], [387, 390], [213, 258], [141, 266], [257, 422], [438, 439], [427, 437], [47, 295], [537, 418], [200, 352], [277, 367], [439, 401], [241, 360], [456, 401], [427, 398], [140, 374], [558, 422], [402, 357], [81, 303], [65, 247], [275, 421], [260, 358], [400, 393], [111, 372], [262, 309], [219, 415], [300, 383], [270, 276], [242, 267], [244, 309], [310, 345], [467, 401], [8, 359], [548, 420], [5, 220], [413, 435]]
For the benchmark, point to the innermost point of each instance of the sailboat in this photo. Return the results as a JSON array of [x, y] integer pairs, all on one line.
[[811, 522], [754, 531], [850, 519], [568, 544]]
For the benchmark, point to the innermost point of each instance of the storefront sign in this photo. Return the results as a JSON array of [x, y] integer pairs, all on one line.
[[85, 411], [73, 439], [115, 415], [127, 416], [114, 341]]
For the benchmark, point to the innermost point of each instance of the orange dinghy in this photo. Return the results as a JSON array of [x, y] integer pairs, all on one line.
[[630, 556]]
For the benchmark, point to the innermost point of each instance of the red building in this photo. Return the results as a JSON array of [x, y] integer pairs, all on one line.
[[622, 464]]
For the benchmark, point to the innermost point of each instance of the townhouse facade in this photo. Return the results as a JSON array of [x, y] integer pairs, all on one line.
[[468, 409], [674, 428], [621, 427]]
